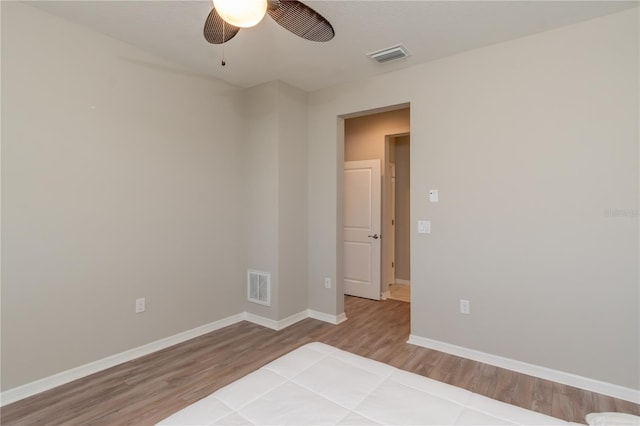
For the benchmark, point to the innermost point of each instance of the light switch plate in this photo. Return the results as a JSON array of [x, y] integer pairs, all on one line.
[[433, 195], [424, 227], [140, 305]]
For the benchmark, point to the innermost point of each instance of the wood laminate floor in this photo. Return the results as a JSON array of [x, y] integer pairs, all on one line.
[[148, 389]]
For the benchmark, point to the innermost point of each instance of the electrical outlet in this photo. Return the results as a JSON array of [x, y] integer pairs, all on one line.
[[465, 307], [327, 282], [140, 305]]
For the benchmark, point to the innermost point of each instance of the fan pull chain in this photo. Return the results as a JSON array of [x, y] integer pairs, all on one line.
[[224, 25]]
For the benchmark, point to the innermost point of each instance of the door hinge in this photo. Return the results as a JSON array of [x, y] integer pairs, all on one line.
[[393, 222], [393, 264]]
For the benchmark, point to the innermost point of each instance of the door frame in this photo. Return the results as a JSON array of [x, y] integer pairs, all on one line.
[[388, 213], [338, 294]]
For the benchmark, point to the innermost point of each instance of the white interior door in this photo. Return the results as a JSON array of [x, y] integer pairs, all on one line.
[[362, 209]]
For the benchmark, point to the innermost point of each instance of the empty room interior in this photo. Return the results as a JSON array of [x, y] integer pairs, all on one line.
[[349, 212]]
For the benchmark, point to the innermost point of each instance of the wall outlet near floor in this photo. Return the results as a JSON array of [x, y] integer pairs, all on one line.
[[465, 307], [140, 305], [327, 282]]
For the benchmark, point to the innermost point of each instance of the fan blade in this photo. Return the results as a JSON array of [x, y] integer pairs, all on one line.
[[301, 20], [216, 30]]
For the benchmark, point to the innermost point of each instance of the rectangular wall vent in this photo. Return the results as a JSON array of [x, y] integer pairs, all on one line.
[[259, 287], [389, 54]]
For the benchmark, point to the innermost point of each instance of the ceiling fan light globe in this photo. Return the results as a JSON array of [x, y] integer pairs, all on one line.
[[241, 13]]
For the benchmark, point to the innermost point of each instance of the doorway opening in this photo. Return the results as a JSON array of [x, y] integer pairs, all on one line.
[[376, 221], [398, 245]]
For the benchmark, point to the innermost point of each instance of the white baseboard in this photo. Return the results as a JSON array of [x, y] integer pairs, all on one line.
[[30, 389], [284, 323], [401, 281], [385, 295], [276, 324], [331, 319], [257, 319], [570, 379]]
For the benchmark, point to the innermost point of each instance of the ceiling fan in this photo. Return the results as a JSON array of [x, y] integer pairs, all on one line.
[[228, 16]]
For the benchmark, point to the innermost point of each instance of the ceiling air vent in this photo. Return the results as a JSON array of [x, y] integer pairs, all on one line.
[[389, 54]]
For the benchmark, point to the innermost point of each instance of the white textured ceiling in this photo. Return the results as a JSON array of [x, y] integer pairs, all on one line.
[[429, 29]]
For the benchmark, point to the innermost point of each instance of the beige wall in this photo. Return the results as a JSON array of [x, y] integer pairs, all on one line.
[[114, 189], [530, 143], [118, 182], [292, 220], [365, 136], [275, 196], [260, 150], [403, 205], [123, 177]]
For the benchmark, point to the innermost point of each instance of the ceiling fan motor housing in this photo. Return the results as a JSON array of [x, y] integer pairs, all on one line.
[[292, 15]]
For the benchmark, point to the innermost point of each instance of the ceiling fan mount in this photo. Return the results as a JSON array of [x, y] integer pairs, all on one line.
[[292, 15]]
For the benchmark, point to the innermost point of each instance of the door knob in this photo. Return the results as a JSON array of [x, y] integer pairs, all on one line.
[[374, 236]]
